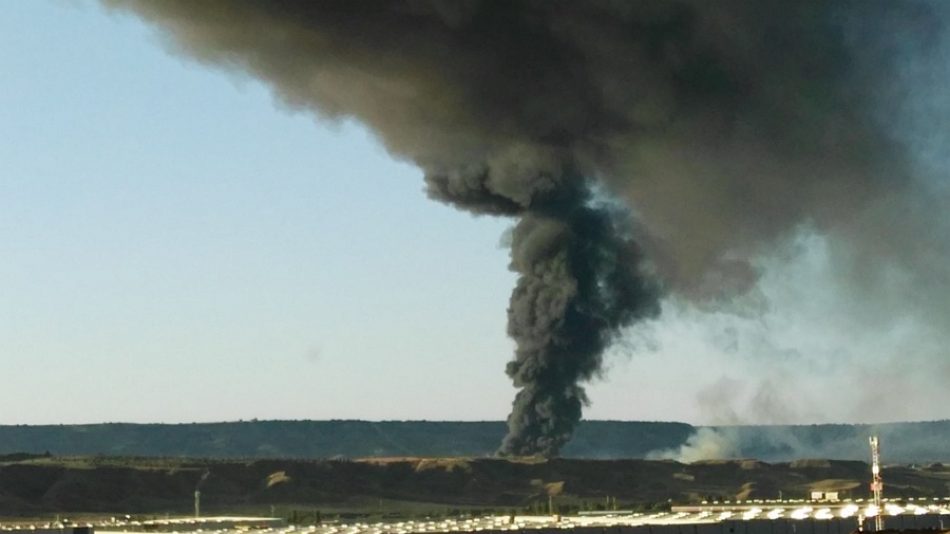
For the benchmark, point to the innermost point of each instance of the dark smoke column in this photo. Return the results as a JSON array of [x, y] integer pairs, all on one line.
[[577, 286], [579, 283]]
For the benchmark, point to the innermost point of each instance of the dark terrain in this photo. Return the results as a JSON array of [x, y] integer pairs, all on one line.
[[31, 486], [901, 442]]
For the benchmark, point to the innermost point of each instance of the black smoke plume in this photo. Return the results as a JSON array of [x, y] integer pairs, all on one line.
[[577, 286], [720, 128]]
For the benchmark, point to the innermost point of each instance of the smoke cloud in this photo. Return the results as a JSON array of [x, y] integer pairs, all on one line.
[[643, 148], [902, 443], [706, 443]]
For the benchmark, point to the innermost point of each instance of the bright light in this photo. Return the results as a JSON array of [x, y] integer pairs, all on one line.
[[776, 513], [848, 511], [893, 509], [751, 514], [802, 513]]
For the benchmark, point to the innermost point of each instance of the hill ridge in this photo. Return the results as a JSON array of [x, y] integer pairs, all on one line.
[[594, 439]]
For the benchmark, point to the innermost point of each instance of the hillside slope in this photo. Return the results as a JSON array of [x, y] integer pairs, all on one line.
[[326, 439], [114, 485], [902, 442]]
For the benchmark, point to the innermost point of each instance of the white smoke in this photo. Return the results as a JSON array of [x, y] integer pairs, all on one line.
[[707, 443]]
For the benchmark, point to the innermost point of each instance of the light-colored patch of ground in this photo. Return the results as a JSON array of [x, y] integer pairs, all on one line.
[[276, 478], [447, 464], [554, 488], [804, 464], [746, 491], [749, 465], [834, 484]]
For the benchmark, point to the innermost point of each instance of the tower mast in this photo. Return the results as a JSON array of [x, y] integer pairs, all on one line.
[[877, 485]]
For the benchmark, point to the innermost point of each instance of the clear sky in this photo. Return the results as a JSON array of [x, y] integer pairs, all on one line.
[[175, 246]]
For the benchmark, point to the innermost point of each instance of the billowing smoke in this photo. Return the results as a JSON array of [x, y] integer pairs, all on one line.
[[706, 443], [579, 283], [644, 148], [576, 287]]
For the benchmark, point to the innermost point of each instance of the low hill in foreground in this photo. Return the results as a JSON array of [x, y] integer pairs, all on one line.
[[901, 442], [391, 486]]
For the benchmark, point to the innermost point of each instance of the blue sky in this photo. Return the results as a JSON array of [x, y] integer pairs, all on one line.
[[184, 249], [176, 246]]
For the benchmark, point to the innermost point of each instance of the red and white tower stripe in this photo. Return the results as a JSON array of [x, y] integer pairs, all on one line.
[[877, 485]]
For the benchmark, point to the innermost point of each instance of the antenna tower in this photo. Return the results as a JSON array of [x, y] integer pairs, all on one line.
[[877, 485]]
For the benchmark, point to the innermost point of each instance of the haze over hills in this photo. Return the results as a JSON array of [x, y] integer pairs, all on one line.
[[902, 442]]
